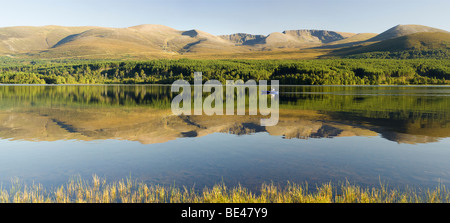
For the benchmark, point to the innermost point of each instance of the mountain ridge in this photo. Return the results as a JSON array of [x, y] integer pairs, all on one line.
[[159, 41]]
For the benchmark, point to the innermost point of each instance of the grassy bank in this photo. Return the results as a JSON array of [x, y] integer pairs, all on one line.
[[131, 191]]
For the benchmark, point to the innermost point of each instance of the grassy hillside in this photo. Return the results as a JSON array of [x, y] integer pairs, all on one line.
[[416, 41], [25, 39], [145, 42], [403, 30], [156, 41], [417, 45], [360, 38]]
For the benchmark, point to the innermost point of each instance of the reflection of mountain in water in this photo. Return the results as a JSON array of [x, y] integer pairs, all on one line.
[[327, 131], [142, 113], [158, 126], [245, 129], [423, 128]]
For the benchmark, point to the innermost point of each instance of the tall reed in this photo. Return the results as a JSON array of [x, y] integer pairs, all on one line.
[[127, 190]]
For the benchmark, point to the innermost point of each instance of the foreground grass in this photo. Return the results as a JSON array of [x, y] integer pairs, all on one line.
[[128, 191]]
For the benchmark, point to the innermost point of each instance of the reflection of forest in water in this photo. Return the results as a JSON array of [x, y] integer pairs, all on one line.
[[142, 113]]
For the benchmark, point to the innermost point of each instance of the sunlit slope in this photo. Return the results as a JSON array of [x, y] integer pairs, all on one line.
[[413, 42], [403, 30], [416, 41], [56, 41], [25, 39], [158, 41]]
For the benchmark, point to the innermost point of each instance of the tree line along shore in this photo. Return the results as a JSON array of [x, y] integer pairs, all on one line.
[[292, 72]]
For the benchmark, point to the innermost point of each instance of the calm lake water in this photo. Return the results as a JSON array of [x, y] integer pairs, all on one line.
[[396, 135]]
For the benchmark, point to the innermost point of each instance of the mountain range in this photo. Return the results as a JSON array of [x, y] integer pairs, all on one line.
[[158, 41]]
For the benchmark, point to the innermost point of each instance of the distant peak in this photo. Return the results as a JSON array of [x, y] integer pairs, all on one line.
[[323, 36]]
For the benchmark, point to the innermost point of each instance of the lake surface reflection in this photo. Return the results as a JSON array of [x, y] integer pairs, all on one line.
[[399, 135]]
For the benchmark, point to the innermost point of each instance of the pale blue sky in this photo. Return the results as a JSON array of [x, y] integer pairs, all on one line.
[[230, 16]]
